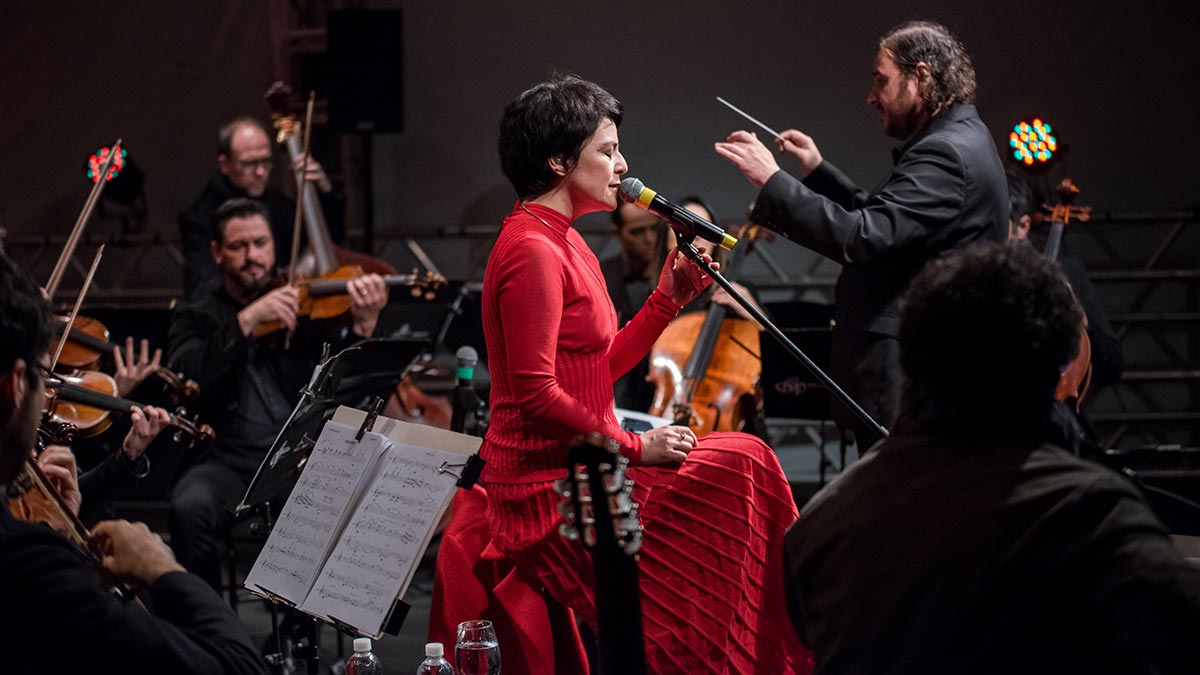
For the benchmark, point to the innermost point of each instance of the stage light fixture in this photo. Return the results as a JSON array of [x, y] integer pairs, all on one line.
[[1033, 143], [99, 157]]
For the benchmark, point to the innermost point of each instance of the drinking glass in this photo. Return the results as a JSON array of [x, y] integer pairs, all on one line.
[[477, 652]]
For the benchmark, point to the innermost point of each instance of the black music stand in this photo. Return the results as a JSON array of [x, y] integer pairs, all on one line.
[[354, 377]]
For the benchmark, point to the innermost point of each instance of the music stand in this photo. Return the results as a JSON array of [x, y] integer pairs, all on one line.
[[368, 370]]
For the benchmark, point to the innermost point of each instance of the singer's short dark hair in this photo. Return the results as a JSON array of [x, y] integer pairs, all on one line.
[[238, 207], [25, 319], [984, 333], [553, 119]]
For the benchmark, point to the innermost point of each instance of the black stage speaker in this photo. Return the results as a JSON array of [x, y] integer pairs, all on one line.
[[366, 70]]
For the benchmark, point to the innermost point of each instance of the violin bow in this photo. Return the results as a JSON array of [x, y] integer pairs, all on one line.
[[301, 177], [87, 283], [64, 258]]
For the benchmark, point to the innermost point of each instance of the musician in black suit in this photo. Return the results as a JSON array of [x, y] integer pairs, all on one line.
[[947, 189], [58, 615], [244, 161]]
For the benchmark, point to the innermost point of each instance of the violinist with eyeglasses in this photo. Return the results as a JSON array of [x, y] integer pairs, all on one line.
[[59, 613], [249, 381]]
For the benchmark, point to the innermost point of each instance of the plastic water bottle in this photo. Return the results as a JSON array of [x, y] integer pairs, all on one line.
[[435, 663], [362, 661]]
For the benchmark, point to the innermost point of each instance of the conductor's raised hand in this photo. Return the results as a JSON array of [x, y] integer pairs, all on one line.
[[755, 161], [681, 279], [802, 147]]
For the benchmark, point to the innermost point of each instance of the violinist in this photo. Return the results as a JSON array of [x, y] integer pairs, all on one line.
[[249, 385], [946, 189], [48, 589], [244, 161]]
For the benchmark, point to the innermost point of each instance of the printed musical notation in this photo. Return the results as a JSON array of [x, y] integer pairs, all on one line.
[[382, 541], [301, 539], [357, 522]]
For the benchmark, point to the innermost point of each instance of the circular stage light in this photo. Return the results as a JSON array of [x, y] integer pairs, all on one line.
[[1032, 143], [97, 160]]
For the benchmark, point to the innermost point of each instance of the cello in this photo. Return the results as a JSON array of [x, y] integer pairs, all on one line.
[[1075, 379], [717, 387]]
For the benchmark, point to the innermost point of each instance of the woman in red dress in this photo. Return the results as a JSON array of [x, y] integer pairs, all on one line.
[[714, 509]]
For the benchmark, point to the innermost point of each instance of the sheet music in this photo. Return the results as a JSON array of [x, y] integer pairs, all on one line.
[[382, 543], [315, 511]]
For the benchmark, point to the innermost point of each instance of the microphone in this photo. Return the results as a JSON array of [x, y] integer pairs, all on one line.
[[633, 191], [467, 357], [464, 387]]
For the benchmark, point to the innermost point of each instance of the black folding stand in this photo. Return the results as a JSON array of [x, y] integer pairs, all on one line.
[[693, 254]]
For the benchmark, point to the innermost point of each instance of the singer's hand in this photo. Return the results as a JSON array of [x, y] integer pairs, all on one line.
[[750, 156], [681, 279], [802, 147], [667, 444]]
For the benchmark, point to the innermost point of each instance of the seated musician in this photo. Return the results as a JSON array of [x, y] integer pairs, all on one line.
[[58, 615], [244, 161], [1070, 428], [963, 543], [248, 386], [631, 274]]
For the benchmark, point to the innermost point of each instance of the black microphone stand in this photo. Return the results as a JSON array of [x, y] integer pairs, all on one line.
[[688, 249]]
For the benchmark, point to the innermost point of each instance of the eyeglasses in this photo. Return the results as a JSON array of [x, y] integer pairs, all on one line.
[[251, 164], [48, 376]]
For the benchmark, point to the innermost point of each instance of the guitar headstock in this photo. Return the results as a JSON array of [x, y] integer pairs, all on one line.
[[597, 504], [286, 123]]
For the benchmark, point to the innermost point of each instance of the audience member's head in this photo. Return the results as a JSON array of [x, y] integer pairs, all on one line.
[[984, 335]]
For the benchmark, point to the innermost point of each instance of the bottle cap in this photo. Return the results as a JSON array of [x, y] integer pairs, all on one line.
[[362, 645], [434, 649]]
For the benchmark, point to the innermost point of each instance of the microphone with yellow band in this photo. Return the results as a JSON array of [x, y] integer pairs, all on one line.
[[686, 223]]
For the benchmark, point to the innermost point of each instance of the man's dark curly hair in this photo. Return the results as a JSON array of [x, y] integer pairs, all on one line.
[[952, 76], [984, 333], [25, 319], [551, 120]]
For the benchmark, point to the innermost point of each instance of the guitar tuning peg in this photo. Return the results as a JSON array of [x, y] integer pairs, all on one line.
[[563, 487], [567, 511]]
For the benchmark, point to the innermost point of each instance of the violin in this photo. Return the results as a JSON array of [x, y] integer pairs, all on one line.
[[717, 386], [87, 400], [32, 499], [1075, 379], [325, 297], [88, 341]]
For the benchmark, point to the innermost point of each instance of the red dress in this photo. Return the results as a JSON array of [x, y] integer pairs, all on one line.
[[711, 572]]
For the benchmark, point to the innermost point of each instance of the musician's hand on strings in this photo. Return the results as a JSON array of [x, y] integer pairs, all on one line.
[[130, 371], [368, 297], [802, 147], [750, 156], [721, 297], [681, 279], [667, 444], [281, 305], [132, 553], [314, 173], [58, 464], [145, 424]]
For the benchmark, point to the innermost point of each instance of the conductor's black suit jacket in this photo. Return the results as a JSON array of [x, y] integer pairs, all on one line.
[[947, 189]]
